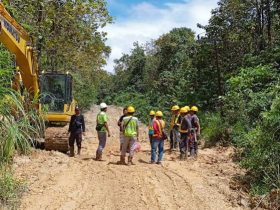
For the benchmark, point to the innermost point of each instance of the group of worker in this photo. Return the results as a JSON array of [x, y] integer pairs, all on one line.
[[184, 132]]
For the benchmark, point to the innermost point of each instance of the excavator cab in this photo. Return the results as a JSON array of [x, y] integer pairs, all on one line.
[[56, 96]]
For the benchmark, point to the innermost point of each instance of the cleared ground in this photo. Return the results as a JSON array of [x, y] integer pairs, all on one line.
[[56, 181]]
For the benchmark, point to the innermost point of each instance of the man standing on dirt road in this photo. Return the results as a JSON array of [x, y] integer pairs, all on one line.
[[158, 138], [184, 131], [76, 128], [151, 128], [174, 128], [102, 128], [130, 127], [195, 125], [120, 125]]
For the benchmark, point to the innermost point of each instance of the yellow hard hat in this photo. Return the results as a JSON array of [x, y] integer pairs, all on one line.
[[130, 109], [187, 107], [175, 108], [152, 113], [184, 110], [194, 109], [159, 114]]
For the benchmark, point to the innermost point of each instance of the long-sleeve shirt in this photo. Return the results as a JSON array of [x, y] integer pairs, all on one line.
[[77, 124]]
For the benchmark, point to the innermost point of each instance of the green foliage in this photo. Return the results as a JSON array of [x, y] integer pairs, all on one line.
[[215, 130], [10, 189], [6, 67], [250, 92], [137, 100], [252, 111], [19, 126], [262, 150]]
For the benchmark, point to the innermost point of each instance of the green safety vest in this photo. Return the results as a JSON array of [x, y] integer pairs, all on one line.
[[102, 118], [130, 125]]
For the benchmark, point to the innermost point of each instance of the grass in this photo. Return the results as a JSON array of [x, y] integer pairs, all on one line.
[[10, 189], [20, 124]]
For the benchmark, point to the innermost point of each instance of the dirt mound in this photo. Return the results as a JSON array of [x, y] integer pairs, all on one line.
[[56, 181]]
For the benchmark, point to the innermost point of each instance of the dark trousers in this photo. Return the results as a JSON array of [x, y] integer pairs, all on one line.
[[174, 139], [184, 143], [151, 139], [75, 137]]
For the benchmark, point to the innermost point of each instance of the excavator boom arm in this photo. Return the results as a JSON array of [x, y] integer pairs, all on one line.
[[18, 42]]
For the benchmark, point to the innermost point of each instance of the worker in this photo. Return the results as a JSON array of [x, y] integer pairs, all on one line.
[[76, 128], [130, 127], [120, 125], [174, 127], [151, 129], [195, 125], [184, 131], [102, 129], [158, 138], [58, 92]]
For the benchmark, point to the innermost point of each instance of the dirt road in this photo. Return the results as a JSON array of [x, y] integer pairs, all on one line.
[[56, 181]]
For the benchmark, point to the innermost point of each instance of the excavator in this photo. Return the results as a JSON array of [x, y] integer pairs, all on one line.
[[51, 90]]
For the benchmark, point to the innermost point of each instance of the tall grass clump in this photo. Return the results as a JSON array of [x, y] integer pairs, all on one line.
[[20, 124]]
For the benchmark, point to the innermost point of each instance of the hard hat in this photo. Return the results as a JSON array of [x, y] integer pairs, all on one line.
[[184, 110], [194, 109], [152, 113], [188, 108], [175, 108], [159, 114], [130, 109], [103, 106]]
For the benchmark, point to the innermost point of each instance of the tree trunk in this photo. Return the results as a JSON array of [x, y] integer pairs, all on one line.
[[269, 21], [40, 38]]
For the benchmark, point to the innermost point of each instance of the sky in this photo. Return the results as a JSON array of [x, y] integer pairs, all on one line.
[[144, 20]]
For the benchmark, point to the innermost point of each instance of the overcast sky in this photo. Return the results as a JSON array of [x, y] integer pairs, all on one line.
[[138, 20]]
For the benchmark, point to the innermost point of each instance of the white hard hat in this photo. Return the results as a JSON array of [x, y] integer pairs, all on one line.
[[103, 106]]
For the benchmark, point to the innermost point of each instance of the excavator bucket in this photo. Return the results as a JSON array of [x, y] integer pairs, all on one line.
[[56, 138]]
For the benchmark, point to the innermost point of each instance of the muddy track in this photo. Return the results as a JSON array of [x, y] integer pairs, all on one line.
[[56, 181]]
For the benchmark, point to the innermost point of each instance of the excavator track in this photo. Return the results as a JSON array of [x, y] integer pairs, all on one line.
[[56, 138]]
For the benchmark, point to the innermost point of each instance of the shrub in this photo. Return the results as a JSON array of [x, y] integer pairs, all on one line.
[[19, 126], [215, 130], [10, 189], [263, 151]]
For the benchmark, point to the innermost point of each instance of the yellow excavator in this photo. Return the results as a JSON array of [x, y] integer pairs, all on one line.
[[53, 90]]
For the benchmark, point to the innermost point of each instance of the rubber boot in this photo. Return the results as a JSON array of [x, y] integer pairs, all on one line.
[[100, 157], [122, 160], [79, 151], [71, 152], [181, 156], [97, 156], [130, 161]]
